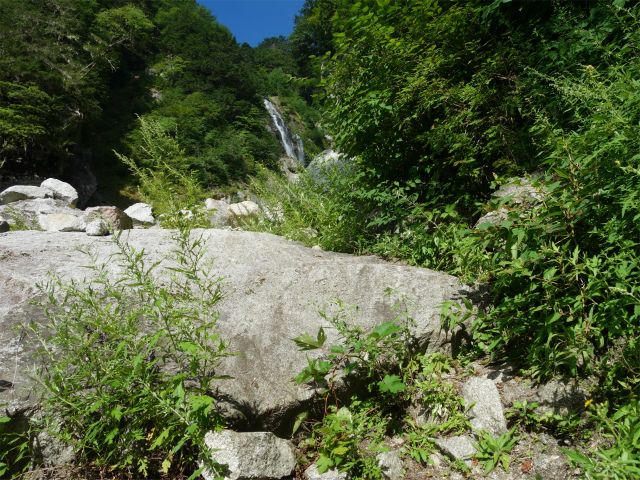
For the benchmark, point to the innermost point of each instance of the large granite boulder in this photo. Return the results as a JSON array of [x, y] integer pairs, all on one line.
[[278, 288], [23, 192], [61, 191], [243, 211], [61, 222], [29, 214]]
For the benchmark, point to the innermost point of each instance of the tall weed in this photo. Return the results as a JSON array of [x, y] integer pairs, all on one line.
[[127, 363]]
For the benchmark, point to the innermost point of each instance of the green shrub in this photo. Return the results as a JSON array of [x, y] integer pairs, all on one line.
[[349, 437], [313, 210], [126, 365]]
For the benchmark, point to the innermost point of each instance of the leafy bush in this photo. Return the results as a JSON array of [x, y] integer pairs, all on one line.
[[14, 448], [165, 181], [620, 458], [494, 451], [313, 210], [127, 364], [349, 437]]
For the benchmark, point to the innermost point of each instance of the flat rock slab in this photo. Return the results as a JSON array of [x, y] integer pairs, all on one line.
[[279, 286]]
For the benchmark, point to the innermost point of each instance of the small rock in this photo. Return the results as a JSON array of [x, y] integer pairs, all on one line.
[[4, 226], [311, 473], [61, 191], [114, 218], [60, 222], [546, 462], [23, 192], [317, 247], [97, 228], [257, 455], [436, 459], [391, 465], [487, 413], [559, 397], [457, 448], [141, 214]]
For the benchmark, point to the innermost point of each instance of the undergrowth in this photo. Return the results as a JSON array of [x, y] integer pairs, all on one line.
[[126, 364], [350, 436]]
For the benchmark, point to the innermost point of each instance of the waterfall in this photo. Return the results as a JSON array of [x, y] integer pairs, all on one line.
[[300, 146], [286, 139]]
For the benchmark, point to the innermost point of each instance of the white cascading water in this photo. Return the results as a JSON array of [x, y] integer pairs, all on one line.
[[300, 146], [285, 136]]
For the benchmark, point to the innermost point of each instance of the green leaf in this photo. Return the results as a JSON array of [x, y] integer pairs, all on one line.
[[299, 419], [324, 464], [339, 451], [385, 329], [506, 460], [391, 383], [307, 342]]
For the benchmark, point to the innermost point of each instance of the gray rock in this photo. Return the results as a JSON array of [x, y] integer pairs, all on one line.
[[97, 228], [391, 465], [487, 413], [279, 288], [49, 451], [311, 473], [115, 218], [521, 190], [24, 214], [252, 455], [4, 226], [559, 397], [141, 214], [23, 192], [547, 462], [499, 373], [427, 413], [327, 161], [242, 211], [457, 448], [436, 459], [61, 191], [61, 222], [218, 212], [493, 218]]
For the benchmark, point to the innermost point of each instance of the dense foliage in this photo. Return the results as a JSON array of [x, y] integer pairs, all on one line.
[[441, 103]]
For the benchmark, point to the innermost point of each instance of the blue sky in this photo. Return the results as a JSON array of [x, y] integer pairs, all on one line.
[[252, 21]]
